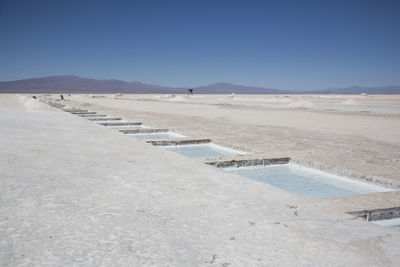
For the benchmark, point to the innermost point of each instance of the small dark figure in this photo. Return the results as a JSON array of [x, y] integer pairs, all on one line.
[[191, 91], [34, 97], [62, 97]]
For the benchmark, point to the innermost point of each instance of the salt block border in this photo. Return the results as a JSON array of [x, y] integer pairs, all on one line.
[[249, 162], [120, 123], [377, 214], [179, 142], [104, 119]]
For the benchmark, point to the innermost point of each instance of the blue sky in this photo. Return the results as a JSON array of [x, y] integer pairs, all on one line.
[[276, 44]]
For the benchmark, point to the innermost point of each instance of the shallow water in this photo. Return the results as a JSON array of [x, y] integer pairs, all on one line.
[[157, 136], [92, 116], [127, 127], [106, 121], [306, 182], [199, 151]]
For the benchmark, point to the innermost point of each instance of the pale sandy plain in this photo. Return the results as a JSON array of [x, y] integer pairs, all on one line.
[[76, 193]]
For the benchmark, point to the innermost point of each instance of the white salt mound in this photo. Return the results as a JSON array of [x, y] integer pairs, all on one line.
[[349, 101], [302, 104], [278, 100], [33, 105], [23, 99], [264, 100], [179, 98]]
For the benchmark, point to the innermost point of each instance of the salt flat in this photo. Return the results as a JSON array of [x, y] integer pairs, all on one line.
[[76, 193], [362, 143]]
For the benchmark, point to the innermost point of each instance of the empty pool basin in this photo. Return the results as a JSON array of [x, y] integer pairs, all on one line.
[[158, 136], [306, 182], [203, 150]]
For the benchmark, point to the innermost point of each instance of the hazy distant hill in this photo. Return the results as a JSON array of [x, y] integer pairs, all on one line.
[[228, 88], [75, 84], [391, 89]]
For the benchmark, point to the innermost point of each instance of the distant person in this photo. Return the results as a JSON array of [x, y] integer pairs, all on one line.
[[191, 91], [62, 97]]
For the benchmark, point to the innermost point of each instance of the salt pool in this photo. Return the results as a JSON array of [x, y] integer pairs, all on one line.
[[306, 182], [128, 127], [106, 120], [92, 115], [203, 150], [157, 136]]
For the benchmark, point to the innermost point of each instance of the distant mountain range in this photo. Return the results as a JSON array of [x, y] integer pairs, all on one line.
[[75, 84], [228, 88], [390, 89]]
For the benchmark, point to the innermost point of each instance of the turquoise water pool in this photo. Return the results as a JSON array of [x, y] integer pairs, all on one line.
[[157, 136], [305, 182], [202, 150], [127, 127]]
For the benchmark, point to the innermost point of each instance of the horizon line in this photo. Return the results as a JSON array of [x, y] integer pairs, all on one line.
[[204, 85]]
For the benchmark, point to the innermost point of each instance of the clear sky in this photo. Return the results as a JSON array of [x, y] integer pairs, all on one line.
[[276, 44]]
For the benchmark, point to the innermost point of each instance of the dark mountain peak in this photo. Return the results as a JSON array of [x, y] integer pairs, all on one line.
[[136, 82], [113, 80], [222, 84], [66, 77]]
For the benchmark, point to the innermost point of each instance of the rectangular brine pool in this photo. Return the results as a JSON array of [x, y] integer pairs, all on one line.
[[157, 136], [306, 182], [128, 127], [203, 150], [102, 121], [92, 115]]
